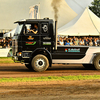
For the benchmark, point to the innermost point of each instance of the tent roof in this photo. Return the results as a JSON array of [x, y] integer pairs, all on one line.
[[78, 6], [87, 24], [65, 13], [19, 9]]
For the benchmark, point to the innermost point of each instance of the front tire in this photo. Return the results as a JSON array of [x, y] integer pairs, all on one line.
[[96, 62], [40, 63]]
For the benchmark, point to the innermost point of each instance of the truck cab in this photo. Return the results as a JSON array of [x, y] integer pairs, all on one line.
[[32, 37]]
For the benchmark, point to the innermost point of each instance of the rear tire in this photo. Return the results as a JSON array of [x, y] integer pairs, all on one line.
[[40, 63], [29, 67], [96, 62]]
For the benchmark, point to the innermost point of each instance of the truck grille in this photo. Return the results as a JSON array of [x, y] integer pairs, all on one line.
[[14, 46]]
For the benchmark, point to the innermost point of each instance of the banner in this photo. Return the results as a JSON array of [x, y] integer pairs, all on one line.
[[34, 12]]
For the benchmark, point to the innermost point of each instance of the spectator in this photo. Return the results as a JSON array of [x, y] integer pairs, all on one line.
[[97, 39], [89, 39], [95, 42], [71, 43], [74, 43], [80, 40], [4, 44], [77, 41], [84, 38], [74, 38], [65, 40], [94, 39], [67, 43], [90, 43], [98, 43], [61, 42], [86, 42]]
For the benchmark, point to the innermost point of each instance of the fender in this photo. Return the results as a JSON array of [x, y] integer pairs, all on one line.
[[95, 55]]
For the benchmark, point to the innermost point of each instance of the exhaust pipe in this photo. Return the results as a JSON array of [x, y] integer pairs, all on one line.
[[55, 35]]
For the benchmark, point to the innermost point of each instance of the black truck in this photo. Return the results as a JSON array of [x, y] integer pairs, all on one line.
[[35, 44]]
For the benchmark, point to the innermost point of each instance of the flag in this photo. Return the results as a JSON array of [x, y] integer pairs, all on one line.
[[34, 12]]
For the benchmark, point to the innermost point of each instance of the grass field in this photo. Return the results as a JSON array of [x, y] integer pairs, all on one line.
[[51, 78], [6, 60]]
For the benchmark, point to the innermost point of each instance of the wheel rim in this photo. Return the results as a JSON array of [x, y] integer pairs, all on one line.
[[99, 62], [40, 63]]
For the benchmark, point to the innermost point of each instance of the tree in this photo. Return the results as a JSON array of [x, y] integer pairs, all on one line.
[[95, 7]]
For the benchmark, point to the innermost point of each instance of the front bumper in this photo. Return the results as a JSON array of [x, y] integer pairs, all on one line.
[[15, 58]]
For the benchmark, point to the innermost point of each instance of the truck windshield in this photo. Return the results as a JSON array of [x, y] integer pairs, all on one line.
[[18, 29]]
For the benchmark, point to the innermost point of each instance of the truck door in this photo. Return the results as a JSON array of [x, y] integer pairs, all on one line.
[[31, 36]]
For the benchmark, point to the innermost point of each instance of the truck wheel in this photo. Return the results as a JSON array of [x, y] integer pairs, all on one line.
[[29, 66], [97, 62], [40, 63], [88, 66]]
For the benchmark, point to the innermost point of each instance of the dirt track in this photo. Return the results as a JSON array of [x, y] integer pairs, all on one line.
[[19, 70], [55, 90], [65, 90]]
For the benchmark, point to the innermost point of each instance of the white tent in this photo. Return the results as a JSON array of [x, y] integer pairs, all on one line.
[[10, 34], [4, 52], [79, 5], [79, 8], [87, 24]]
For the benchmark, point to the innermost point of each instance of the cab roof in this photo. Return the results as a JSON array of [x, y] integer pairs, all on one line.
[[33, 20]]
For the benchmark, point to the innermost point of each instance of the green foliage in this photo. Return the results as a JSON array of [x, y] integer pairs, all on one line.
[[95, 8], [51, 78]]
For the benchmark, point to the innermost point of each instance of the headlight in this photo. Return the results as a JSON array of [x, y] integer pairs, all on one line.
[[19, 54]]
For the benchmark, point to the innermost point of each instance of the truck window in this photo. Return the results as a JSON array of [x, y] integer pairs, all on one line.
[[18, 29], [31, 29], [44, 28]]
